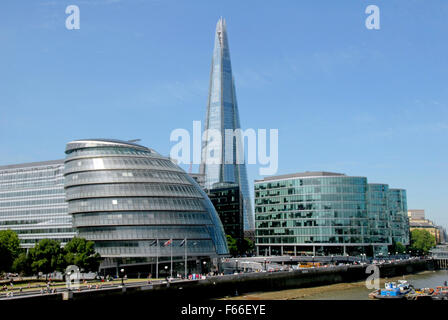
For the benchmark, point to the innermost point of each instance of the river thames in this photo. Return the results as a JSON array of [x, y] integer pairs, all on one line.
[[346, 291]]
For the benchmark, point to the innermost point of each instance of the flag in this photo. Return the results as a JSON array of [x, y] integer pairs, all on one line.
[[182, 243], [167, 243]]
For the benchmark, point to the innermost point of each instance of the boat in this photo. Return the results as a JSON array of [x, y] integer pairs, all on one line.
[[420, 294], [440, 293], [392, 290]]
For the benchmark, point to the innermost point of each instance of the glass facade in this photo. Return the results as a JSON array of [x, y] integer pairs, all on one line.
[[131, 201], [324, 213], [228, 203], [398, 211], [32, 202], [222, 114]]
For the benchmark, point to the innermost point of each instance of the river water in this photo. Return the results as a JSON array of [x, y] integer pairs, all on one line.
[[347, 291]]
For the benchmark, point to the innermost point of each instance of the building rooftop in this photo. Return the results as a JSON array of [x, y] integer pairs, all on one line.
[[32, 164], [305, 174]]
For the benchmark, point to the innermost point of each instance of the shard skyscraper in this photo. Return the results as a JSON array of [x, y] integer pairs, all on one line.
[[222, 114]]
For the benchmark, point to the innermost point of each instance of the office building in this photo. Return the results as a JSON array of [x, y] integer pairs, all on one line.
[[227, 200], [32, 202], [222, 114], [417, 220], [324, 213]]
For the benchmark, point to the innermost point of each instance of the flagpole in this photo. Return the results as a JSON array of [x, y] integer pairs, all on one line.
[[185, 258], [157, 263], [171, 243]]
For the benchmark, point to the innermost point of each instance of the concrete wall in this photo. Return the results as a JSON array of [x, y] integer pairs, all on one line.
[[231, 285]]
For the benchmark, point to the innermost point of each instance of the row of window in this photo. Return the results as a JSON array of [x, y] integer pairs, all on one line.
[[37, 212], [311, 239], [32, 202], [34, 222], [311, 223], [15, 185], [134, 189], [30, 173], [312, 198], [310, 190], [138, 204], [309, 206], [312, 182], [117, 163], [106, 150], [30, 193], [143, 232], [140, 218], [125, 176], [311, 231]]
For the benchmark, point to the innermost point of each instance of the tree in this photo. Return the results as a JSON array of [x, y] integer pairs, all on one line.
[[81, 253], [22, 264], [245, 246], [396, 247], [47, 256], [400, 248], [421, 241], [9, 249], [231, 243]]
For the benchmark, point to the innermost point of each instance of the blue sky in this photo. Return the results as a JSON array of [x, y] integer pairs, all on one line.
[[344, 98]]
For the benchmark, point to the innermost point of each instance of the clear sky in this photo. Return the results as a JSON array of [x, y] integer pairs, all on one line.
[[347, 99]]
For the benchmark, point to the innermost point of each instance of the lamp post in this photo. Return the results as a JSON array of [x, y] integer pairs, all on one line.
[[122, 277], [166, 271], [205, 265], [236, 265], [265, 264]]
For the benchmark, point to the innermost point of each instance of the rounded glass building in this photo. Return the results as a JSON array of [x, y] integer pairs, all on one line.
[[138, 206]]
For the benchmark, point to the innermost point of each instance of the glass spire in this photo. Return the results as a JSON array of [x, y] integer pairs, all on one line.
[[222, 114]]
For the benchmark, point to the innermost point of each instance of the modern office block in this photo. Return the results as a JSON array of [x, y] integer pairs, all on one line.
[[138, 206], [399, 216], [324, 213], [379, 220], [227, 200], [32, 202], [222, 114]]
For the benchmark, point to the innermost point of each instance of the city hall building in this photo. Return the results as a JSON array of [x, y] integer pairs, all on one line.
[[324, 213], [138, 206]]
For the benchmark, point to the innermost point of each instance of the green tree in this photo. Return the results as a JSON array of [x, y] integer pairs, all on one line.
[[245, 246], [396, 247], [22, 264], [232, 244], [400, 248], [81, 253], [47, 256], [9, 249], [421, 241]]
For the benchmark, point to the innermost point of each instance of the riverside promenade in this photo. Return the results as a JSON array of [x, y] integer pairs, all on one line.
[[234, 284]]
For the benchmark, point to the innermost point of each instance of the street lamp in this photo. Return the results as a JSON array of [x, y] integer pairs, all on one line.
[[265, 264], [205, 264], [236, 265], [122, 277]]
